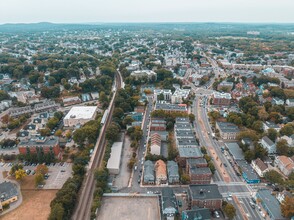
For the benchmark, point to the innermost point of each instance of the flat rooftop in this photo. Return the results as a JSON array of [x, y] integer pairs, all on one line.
[[204, 191], [81, 112], [130, 208], [39, 141], [235, 150], [190, 152], [115, 156], [248, 170]]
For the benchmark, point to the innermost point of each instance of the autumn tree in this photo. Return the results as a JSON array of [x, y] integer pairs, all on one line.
[[39, 179], [20, 174], [43, 169], [287, 207], [262, 114], [230, 211]]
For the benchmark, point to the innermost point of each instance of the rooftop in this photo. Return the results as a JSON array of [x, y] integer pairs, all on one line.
[[39, 141], [268, 141], [228, 127], [174, 107], [204, 192], [235, 150], [115, 155], [262, 166], [247, 170], [190, 152], [81, 112], [199, 170], [7, 190]]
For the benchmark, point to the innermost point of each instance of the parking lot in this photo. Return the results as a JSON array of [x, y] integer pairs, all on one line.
[[58, 173]]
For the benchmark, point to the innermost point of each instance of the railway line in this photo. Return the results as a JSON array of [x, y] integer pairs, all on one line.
[[83, 207]]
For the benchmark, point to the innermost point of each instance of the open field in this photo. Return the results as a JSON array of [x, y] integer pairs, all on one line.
[[131, 208], [35, 205]]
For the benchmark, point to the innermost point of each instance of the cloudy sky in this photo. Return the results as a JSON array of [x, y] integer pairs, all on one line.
[[79, 11]]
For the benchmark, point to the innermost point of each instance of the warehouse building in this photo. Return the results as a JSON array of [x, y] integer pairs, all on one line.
[[113, 163], [79, 115]]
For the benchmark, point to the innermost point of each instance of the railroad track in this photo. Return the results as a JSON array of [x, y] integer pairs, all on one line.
[[83, 207]]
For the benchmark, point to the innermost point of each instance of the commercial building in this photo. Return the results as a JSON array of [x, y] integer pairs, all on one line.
[[205, 196], [196, 214], [221, 99], [248, 173], [173, 172], [171, 107], [79, 115], [188, 152], [113, 163], [42, 144], [227, 130], [160, 172], [235, 151], [8, 193], [270, 205], [180, 95], [157, 124], [71, 100], [144, 73], [199, 175]]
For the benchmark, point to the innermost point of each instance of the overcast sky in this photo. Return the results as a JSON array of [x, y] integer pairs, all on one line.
[[80, 11]]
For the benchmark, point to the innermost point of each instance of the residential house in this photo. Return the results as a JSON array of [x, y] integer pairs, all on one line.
[[282, 195], [285, 164], [269, 145], [160, 172], [71, 100], [173, 172], [277, 101], [268, 124], [224, 85], [155, 144], [196, 214], [205, 196], [290, 102], [169, 203], [290, 140], [227, 130], [259, 166], [148, 176], [180, 95]]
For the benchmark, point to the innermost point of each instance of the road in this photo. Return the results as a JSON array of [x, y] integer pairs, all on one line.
[[83, 206]]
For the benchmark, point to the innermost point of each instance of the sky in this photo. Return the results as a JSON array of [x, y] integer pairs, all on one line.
[[84, 11]]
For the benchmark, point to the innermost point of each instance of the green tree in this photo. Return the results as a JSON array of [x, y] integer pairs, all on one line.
[[185, 179], [127, 120], [249, 155], [230, 211], [273, 177], [211, 167], [57, 212], [42, 168], [160, 97], [112, 132], [272, 134], [288, 130], [39, 179], [191, 117], [282, 147]]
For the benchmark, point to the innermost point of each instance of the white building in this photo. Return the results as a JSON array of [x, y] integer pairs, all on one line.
[[259, 166], [268, 145], [167, 94], [179, 95], [141, 73], [113, 162], [79, 115]]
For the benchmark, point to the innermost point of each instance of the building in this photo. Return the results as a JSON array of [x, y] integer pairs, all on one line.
[[281, 196], [290, 102], [79, 115], [169, 203], [270, 204], [113, 163], [148, 176], [225, 86], [71, 100], [196, 214], [221, 99], [137, 116], [199, 175], [173, 172], [171, 107], [248, 173], [157, 124], [290, 140], [8, 193], [285, 164], [205, 196], [43, 144], [277, 101], [227, 130], [259, 166], [235, 151], [155, 144], [187, 153], [268, 145], [144, 73], [268, 124], [180, 95], [162, 95], [160, 172], [195, 162]]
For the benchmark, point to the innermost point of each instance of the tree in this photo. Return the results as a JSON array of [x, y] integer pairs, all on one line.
[[58, 133], [272, 134], [127, 120], [262, 114], [160, 97], [282, 147], [131, 163], [19, 174], [185, 179], [287, 207], [43, 169], [39, 179], [45, 132], [112, 132], [273, 177], [211, 167], [57, 212], [230, 211], [249, 155], [192, 117], [14, 168], [259, 152], [288, 130]]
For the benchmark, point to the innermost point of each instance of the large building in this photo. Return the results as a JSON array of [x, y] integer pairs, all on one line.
[[221, 99], [79, 115], [180, 95], [148, 177], [171, 107], [227, 130], [42, 144], [162, 95], [144, 73], [8, 193], [113, 162], [205, 196]]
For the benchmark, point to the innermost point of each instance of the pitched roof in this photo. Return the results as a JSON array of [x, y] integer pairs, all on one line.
[[160, 168], [261, 165]]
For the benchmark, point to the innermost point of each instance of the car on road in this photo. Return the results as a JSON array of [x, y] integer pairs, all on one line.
[[216, 214], [135, 168]]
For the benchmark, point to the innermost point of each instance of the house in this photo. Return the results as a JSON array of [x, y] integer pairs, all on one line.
[[270, 205], [163, 134], [168, 203], [268, 145], [86, 97], [95, 95], [259, 166], [285, 164], [148, 176], [247, 142], [173, 172], [199, 175], [282, 195], [71, 100], [268, 124], [8, 193], [277, 101], [180, 95], [205, 196], [41, 144], [290, 102], [160, 172], [224, 85], [196, 214], [227, 130], [155, 144], [290, 140]]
